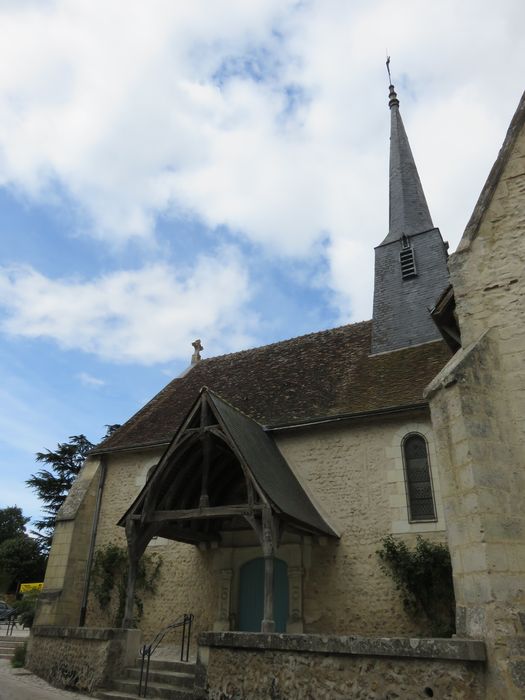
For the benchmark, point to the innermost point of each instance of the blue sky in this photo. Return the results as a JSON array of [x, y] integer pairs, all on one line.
[[218, 170]]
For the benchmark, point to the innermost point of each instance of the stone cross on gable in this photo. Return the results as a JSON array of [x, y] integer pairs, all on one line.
[[197, 346]]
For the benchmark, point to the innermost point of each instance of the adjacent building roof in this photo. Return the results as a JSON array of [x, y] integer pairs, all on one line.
[[320, 375]]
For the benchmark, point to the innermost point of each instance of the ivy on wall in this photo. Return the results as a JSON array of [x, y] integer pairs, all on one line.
[[110, 576], [424, 578]]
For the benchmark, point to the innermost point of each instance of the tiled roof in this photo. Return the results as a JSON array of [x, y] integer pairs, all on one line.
[[322, 374]]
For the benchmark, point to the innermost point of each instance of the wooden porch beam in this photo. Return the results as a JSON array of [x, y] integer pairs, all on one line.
[[203, 513], [180, 534], [204, 429]]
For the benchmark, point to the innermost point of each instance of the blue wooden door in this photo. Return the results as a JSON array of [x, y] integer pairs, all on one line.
[[251, 595]]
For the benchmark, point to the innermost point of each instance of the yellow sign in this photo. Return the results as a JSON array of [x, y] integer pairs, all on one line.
[[27, 587]]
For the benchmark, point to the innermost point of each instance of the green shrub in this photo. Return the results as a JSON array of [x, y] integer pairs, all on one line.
[[110, 571], [19, 657], [26, 609], [424, 578]]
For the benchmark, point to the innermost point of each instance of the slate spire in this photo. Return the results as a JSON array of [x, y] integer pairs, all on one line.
[[411, 263], [409, 213]]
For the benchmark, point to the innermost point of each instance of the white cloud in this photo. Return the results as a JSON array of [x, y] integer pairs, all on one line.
[[22, 426], [147, 315], [141, 108], [89, 380]]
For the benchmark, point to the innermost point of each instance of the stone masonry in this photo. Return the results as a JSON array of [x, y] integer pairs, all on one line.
[[81, 659], [354, 474], [338, 668], [478, 404]]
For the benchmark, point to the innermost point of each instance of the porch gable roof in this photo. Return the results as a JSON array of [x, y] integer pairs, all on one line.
[[259, 457]]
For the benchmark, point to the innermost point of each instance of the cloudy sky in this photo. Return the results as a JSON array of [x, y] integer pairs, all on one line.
[[215, 169]]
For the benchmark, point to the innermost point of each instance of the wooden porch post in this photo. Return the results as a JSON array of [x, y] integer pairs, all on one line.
[[127, 620], [133, 556], [268, 547]]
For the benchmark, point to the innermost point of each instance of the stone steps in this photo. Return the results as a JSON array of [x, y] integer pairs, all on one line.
[[185, 680], [172, 680], [8, 646]]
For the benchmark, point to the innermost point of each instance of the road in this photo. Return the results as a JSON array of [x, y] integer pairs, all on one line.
[[20, 684]]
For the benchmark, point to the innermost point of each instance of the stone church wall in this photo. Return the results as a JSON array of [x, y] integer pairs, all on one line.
[[186, 582], [355, 476], [478, 404]]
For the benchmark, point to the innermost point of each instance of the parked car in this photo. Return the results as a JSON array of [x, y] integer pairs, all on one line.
[[6, 611]]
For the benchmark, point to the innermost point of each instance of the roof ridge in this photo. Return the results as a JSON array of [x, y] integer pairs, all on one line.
[[282, 342]]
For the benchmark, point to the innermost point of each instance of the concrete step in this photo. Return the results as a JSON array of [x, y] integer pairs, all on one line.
[[172, 680], [115, 695], [177, 679], [155, 690], [168, 665], [118, 695], [7, 649]]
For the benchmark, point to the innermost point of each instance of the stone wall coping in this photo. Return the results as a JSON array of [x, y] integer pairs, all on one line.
[[94, 633], [418, 648]]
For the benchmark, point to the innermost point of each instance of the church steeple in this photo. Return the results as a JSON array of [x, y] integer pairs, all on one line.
[[409, 213], [411, 262]]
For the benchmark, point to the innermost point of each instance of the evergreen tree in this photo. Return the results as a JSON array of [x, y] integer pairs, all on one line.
[[12, 523], [21, 561], [52, 485]]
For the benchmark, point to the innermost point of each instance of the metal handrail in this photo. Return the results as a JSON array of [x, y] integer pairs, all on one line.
[[184, 621]]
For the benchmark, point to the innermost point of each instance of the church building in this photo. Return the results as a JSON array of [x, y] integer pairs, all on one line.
[[267, 479]]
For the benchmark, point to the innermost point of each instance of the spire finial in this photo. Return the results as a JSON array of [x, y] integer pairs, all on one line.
[[392, 96]]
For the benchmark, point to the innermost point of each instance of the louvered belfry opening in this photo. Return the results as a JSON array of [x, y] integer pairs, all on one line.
[[408, 263], [418, 479]]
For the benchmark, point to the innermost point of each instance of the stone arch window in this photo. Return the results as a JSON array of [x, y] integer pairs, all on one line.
[[418, 479]]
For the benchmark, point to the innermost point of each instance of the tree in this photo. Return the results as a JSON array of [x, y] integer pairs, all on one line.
[[21, 560], [52, 485], [20, 556], [12, 523]]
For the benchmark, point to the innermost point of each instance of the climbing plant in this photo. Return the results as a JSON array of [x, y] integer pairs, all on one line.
[[424, 578], [110, 576]]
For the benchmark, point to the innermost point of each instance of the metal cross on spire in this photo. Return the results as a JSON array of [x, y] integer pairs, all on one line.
[[388, 67], [392, 97]]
